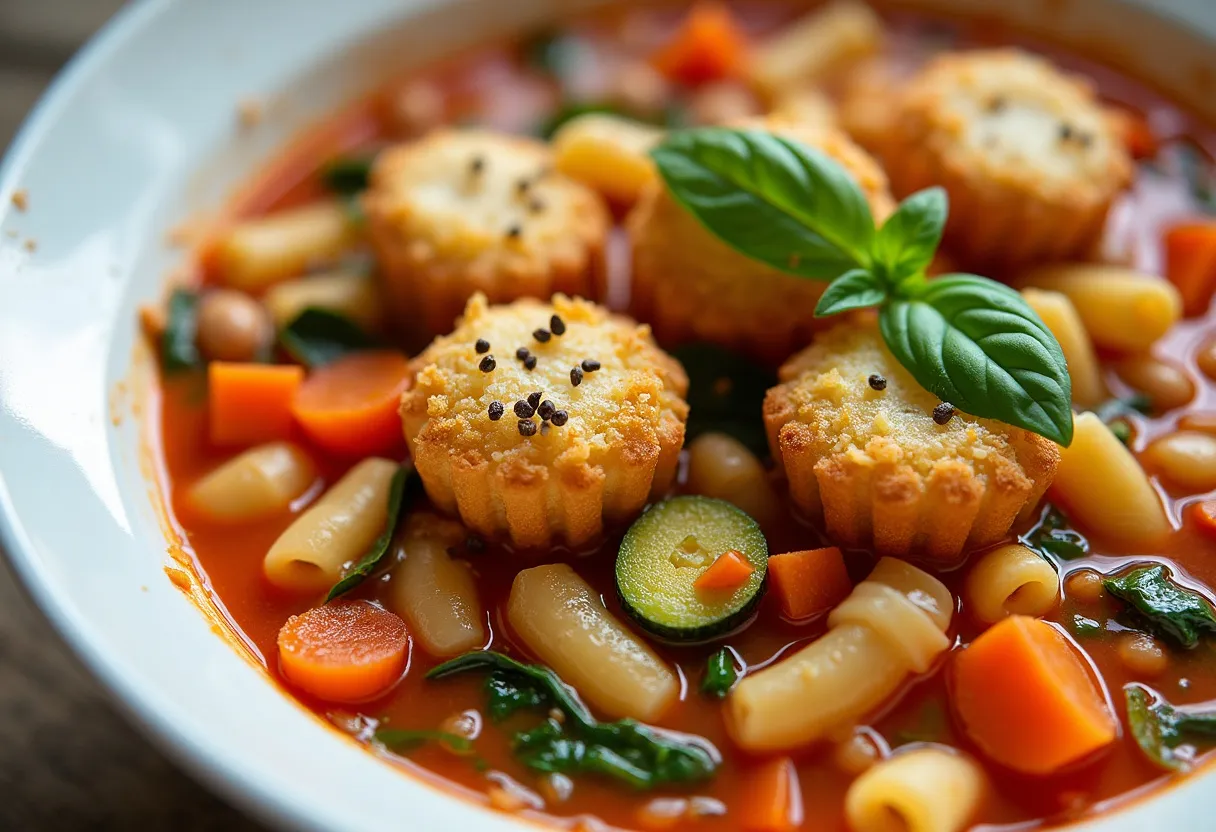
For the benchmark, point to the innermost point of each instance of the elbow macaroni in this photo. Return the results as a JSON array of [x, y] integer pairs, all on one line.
[[1010, 580], [893, 624], [311, 554], [927, 789]]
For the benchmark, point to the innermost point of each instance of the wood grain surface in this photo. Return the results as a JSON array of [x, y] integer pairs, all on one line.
[[68, 760]]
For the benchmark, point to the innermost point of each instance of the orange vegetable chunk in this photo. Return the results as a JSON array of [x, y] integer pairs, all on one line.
[[774, 798], [809, 582], [708, 46], [349, 651], [1204, 515], [349, 407], [251, 403], [1190, 264], [1028, 700], [1137, 135], [729, 571]]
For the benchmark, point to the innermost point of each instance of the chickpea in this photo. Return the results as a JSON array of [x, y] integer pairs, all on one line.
[[1186, 458], [466, 724], [1167, 385], [1084, 585], [1142, 654], [721, 466], [1206, 358], [232, 326]]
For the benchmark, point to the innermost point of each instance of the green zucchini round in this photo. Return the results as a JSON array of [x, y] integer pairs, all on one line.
[[668, 548]]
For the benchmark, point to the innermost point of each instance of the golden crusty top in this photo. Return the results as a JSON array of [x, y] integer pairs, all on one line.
[[633, 395]]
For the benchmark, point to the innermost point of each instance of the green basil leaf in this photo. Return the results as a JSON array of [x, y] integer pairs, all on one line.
[[1052, 537], [318, 336], [720, 674], [726, 394], [511, 692], [347, 175], [856, 289], [179, 341], [975, 343], [404, 489], [907, 241], [772, 199], [1159, 728], [1180, 614]]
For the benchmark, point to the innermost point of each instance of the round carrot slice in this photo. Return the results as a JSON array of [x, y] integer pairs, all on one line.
[[350, 407], [345, 652]]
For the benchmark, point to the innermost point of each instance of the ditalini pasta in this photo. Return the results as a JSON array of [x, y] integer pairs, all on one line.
[[433, 592], [564, 622], [256, 253], [893, 624], [1010, 580], [258, 483], [927, 789], [1062, 319], [310, 554]]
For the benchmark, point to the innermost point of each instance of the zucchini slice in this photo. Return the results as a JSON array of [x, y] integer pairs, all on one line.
[[668, 548]]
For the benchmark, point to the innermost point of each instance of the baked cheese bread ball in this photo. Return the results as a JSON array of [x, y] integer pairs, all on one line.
[[539, 423], [885, 464], [690, 286], [464, 211], [1031, 159]]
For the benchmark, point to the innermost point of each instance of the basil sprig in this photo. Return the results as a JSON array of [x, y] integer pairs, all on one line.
[[969, 340]]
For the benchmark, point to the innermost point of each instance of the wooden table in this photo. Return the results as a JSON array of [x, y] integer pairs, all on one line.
[[67, 759]]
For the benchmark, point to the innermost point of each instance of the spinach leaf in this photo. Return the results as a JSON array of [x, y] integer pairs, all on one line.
[[720, 674], [179, 342], [510, 693], [907, 241], [347, 175], [1177, 613], [403, 741], [1052, 536], [1159, 728], [773, 199], [627, 751], [725, 393], [975, 343], [854, 289], [318, 336], [405, 487]]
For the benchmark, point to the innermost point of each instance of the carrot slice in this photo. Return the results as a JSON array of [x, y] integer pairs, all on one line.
[[1190, 264], [729, 572], [1027, 699], [1204, 515], [350, 407], [809, 582], [251, 403], [708, 46], [774, 798], [346, 652]]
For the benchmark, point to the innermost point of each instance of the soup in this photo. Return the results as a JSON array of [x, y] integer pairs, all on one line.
[[687, 554]]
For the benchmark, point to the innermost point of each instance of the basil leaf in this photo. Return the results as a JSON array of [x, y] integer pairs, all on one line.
[[726, 394], [1053, 537], [975, 343], [179, 341], [907, 241], [544, 679], [405, 487], [720, 674], [1159, 728], [854, 289], [1173, 611], [509, 693], [403, 740], [772, 199], [347, 175], [318, 336]]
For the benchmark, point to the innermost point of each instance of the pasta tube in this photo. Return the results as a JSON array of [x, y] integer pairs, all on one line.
[[435, 594], [564, 622], [928, 789], [608, 154], [1062, 319], [1010, 580], [809, 49], [256, 253], [893, 624], [310, 555], [258, 483]]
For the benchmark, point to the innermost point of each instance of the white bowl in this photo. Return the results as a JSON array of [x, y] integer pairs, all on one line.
[[139, 133]]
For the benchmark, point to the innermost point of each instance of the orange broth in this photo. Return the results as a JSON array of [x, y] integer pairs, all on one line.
[[230, 558]]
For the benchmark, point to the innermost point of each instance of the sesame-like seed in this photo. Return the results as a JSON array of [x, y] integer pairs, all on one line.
[[496, 411], [514, 231], [477, 164], [524, 410], [527, 427], [522, 353], [576, 376], [557, 326], [997, 104], [482, 346], [534, 399], [877, 382], [590, 365], [542, 335], [536, 206], [546, 410], [1065, 131], [560, 418], [1086, 139], [530, 362], [943, 413], [487, 364]]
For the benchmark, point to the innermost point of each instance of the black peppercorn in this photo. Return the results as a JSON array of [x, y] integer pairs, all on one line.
[[527, 427], [546, 410], [534, 399], [496, 411], [943, 413], [487, 364], [542, 335], [557, 325], [559, 418], [576, 376], [590, 365], [530, 362], [524, 410], [877, 382], [482, 346]]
